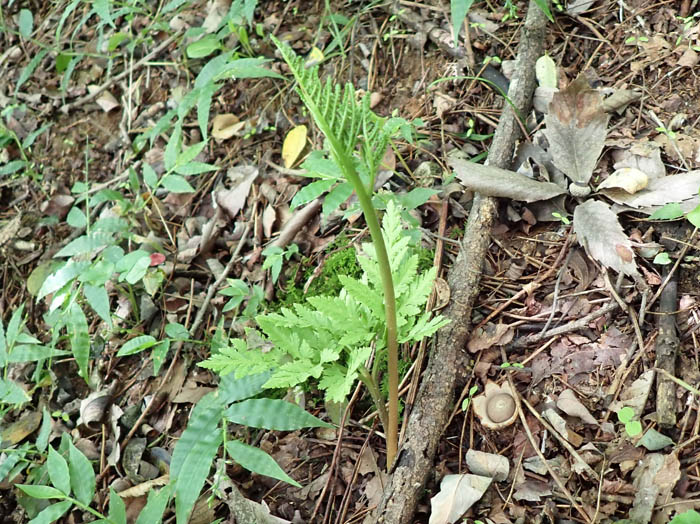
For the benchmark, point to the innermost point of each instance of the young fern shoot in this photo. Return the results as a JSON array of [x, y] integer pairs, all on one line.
[[342, 120]]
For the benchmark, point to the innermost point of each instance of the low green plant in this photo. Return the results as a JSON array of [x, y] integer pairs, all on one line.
[[275, 257], [67, 479], [206, 432], [688, 517], [467, 400], [24, 164], [331, 338], [632, 427]]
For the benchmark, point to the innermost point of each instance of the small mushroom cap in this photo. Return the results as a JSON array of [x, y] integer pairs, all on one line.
[[501, 407]]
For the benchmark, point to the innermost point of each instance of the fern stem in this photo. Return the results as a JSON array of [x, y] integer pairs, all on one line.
[[342, 141], [374, 392]]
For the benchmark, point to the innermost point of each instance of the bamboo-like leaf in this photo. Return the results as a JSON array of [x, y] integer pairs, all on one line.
[[82, 476], [274, 414], [79, 334], [52, 513], [256, 460], [58, 471], [194, 454]]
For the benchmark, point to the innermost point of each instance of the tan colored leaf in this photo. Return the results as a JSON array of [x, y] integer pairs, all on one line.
[[576, 129], [293, 145], [457, 494], [661, 191], [630, 179], [546, 71], [226, 126], [572, 406]]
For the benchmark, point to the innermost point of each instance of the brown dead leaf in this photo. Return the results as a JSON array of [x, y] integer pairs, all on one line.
[[226, 126], [576, 129], [490, 335], [241, 178]]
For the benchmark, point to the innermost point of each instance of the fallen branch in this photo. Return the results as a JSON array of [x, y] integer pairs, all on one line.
[[415, 459]]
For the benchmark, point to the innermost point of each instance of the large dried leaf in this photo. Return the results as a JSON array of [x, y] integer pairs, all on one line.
[[457, 494], [495, 182], [660, 191], [601, 234], [576, 128]]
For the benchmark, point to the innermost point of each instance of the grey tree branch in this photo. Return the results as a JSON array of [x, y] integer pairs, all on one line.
[[415, 459]]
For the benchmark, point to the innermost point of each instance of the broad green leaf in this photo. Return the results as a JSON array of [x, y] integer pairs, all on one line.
[[246, 68], [311, 191], [115, 41], [195, 168], [232, 389], [86, 244], [203, 107], [211, 69], [34, 352], [688, 517], [256, 460], [11, 393], [102, 8], [82, 476], [274, 414], [42, 440], [14, 327], [61, 277], [3, 346], [158, 354], [12, 167], [76, 218], [117, 509], [668, 212], [28, 71], [157, 501], [204, 46], [79, 335], [189, 154], [58, 471], [98, 299], [136, 345], [41, 492], [694, 217], [52, 513], [194, 454], [335, 197], [25, 23], [458, 11], [173, 147], [654, 441], [177, 331], [150, 177], [176, 184]]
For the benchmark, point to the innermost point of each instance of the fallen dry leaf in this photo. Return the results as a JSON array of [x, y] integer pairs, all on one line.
[[294, 144]]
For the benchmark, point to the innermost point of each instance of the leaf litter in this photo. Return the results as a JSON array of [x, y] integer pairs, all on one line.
[[579, 366]]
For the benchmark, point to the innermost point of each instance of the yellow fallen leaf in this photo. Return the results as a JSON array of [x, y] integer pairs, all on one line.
[[293, 145], [314, 57]]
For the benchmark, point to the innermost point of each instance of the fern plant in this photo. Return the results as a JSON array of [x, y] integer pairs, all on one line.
[[357, 140], [331, 338]]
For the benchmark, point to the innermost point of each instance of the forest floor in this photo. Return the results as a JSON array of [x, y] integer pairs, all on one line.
[[93, 93]]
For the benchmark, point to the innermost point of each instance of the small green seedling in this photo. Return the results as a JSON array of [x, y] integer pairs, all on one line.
[[468, 399], [632, 427], [517, 365], [662, 259], [561, 217]]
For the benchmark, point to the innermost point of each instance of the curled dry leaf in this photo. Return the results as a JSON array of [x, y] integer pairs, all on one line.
[[630, 179], [226, 126], [659, 192], [457, 494], [571, 405], [576, 130]]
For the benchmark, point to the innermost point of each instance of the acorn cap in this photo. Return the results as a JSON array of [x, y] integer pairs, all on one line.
[[495, 407]]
